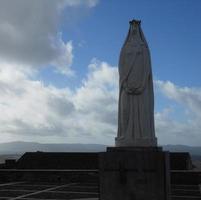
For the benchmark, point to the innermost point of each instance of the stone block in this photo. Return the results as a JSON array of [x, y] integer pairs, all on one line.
[[134, 173]]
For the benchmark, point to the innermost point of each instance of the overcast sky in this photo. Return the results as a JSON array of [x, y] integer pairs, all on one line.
[[59, 76]]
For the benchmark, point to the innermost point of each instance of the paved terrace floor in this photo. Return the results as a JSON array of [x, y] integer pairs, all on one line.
[[48, 191]]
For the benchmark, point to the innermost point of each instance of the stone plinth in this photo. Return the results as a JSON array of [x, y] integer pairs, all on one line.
[[134, 174]]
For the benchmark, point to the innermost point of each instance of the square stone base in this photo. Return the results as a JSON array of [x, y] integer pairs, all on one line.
[[134, 174]]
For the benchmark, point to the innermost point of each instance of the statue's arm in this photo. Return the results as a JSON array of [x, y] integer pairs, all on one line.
[[138, 76]]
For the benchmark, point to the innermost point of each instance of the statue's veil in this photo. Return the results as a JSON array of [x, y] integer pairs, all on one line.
[[129, 34]]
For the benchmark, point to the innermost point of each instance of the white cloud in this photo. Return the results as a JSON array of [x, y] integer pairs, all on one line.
[[178, 131], [190, 98], [96, 100], [89, 3], [30, 108], [29, 32]]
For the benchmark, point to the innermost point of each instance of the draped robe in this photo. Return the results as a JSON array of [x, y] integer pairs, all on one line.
[[136, 97]]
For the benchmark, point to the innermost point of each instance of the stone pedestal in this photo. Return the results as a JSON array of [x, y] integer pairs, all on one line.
[[142, 142], [134, 173]]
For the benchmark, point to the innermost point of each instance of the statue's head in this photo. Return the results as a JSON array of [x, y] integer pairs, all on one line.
[[135, 34], [135, 22]]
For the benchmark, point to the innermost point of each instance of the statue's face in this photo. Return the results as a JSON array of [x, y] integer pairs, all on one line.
[[135, 29], [135, 26], [134, 36], [136, 23]]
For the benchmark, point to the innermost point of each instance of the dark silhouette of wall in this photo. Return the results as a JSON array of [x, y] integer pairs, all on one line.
[[180, 161], [52, 160]]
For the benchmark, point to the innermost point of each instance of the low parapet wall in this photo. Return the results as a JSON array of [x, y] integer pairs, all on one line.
[[185, 177], [54, 160], [53, 175]]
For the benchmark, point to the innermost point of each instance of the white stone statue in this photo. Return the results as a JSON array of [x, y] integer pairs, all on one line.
[[136, 97]]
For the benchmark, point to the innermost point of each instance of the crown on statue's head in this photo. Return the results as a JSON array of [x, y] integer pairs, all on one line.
[[135, 22]]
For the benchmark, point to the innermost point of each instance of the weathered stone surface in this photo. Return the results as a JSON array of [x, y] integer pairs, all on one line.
[[136, 97], [134, 174]]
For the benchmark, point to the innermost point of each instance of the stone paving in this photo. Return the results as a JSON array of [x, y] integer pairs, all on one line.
[[48, 191]]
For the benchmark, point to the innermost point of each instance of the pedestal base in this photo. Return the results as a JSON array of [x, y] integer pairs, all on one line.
[[142, 142], [134, 174]]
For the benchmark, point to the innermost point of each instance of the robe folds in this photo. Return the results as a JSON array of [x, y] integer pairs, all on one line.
[[136, 96]]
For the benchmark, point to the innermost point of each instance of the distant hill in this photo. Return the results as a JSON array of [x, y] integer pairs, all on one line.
[[193, 150], [21, 147], [4, 157]]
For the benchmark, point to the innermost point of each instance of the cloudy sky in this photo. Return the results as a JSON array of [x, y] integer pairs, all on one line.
[[59, 76]]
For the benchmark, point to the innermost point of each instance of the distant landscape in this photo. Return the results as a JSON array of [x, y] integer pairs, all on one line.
[[22, 147], [13, 150]]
